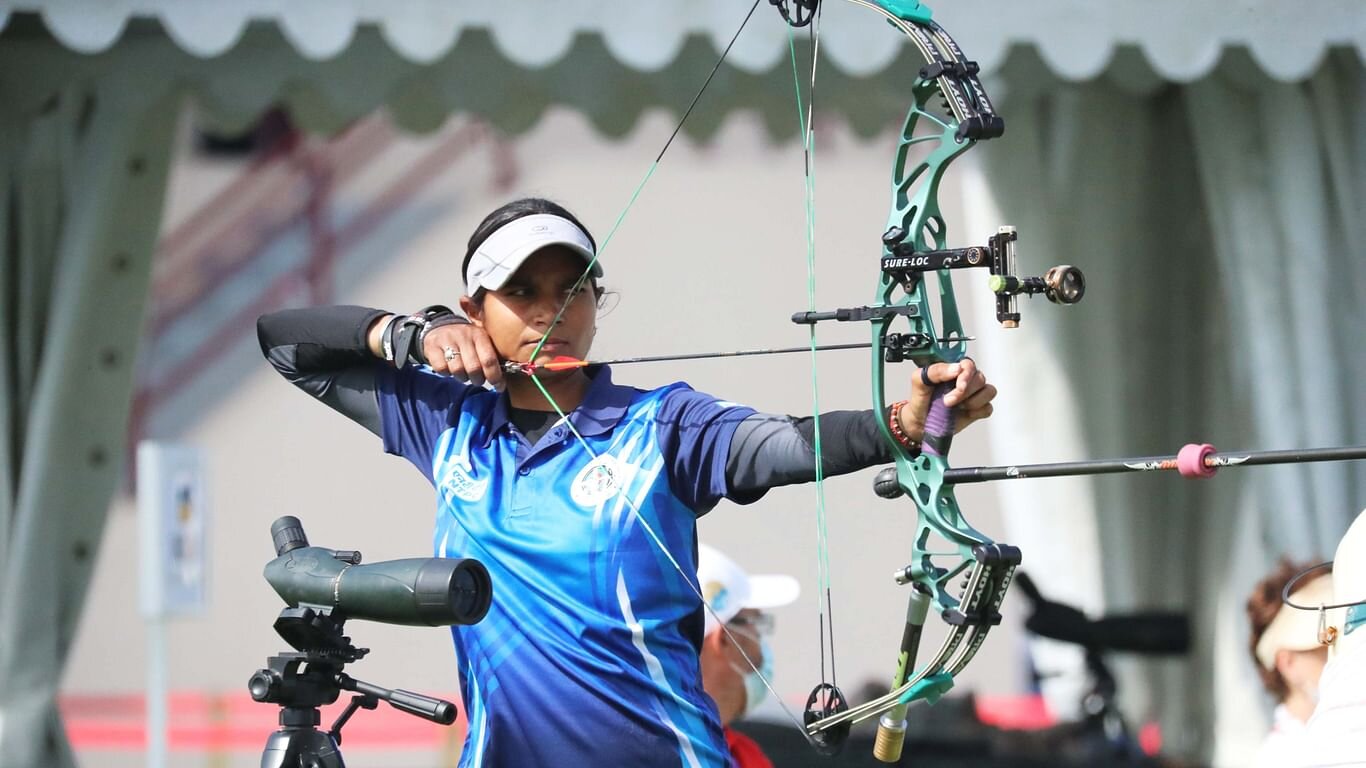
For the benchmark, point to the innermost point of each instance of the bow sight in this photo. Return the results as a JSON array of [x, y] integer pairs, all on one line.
[[904, 265], [1063, 284]]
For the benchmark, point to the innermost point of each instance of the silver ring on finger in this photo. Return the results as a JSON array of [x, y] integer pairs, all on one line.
[[451, 354]]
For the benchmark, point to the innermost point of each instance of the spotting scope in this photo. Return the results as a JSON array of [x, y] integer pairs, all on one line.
[[324, 588], [420, 591]]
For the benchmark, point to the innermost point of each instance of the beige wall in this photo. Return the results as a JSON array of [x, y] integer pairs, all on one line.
[[712, 257]]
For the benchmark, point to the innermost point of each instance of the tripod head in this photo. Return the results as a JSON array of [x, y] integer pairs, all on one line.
[[437, 591], [308, 677]]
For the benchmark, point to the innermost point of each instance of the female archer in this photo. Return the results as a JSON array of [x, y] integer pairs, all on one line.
[[587, 524]]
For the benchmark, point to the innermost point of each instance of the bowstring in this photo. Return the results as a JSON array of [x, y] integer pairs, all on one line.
[[806, 124], [689, 579], [649, 172]]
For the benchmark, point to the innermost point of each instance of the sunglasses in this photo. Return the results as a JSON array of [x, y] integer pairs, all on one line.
[[761, 624]]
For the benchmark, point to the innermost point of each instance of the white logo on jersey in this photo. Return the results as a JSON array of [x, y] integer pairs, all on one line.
[[596, 482], [460, 482]]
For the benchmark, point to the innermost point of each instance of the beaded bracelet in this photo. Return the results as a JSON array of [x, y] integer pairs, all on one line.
[[897, 432]]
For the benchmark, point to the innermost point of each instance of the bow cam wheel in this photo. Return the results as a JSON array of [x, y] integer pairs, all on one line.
[[826, 700], [797, 13]]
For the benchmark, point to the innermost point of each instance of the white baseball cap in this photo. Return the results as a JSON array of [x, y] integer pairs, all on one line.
[[1293, 629], [728, 589], [502, 252]]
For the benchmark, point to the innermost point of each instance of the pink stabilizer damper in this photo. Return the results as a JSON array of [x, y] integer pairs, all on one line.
[[1190, 461]]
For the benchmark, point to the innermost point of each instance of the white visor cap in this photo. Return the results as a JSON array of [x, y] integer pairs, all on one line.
[[728, 589], [1296, 630], [502, 252], [1349, 583]]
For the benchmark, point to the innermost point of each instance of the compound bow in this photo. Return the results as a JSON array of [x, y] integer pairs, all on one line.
[[966, 584]]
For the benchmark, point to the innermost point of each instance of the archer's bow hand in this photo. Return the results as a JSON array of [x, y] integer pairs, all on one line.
[[970, 397]]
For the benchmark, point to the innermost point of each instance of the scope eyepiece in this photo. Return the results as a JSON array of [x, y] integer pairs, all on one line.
[[288, 534]]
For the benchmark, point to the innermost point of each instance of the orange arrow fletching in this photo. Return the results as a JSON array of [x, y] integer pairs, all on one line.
[[562, 363]]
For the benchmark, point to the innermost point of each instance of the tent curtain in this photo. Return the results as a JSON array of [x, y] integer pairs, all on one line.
[[1077, 37], [1219, 227], [1215, 221], [1283, 192], [82, 177]]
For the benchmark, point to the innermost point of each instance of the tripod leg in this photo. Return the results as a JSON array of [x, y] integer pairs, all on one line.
[[301, 748]]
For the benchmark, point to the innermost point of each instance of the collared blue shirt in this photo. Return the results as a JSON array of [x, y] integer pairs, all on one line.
[[589, 652]]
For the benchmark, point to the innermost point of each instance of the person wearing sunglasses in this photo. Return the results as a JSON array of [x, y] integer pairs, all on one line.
[[1335, 735], [737, 660], [1285, 647]]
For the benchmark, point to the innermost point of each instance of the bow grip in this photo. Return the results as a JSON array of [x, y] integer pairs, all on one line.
[[939, 423]]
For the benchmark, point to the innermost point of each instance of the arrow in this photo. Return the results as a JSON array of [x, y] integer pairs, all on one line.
[[570, 364], [565, 363]]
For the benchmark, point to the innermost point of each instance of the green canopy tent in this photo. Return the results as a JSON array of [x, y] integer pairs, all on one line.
[[1245, 125]]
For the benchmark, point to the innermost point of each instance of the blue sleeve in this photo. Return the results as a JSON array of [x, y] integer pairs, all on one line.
[[415, 407], [695, 432]]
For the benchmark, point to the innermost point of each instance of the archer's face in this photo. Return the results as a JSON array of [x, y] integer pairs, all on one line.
[[518, 315]]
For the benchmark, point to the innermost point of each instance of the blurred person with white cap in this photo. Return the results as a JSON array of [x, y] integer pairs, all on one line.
[[580, 495], [1336, 733], [735, 646], [1289, 657]]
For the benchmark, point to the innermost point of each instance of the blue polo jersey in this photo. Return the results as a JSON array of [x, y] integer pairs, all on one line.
[[589, 653]]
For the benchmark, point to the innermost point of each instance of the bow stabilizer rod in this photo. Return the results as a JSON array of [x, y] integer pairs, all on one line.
[[1195, 460]]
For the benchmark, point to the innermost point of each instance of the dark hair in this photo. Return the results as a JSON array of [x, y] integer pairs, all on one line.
[[1262, 606], [526, 206]]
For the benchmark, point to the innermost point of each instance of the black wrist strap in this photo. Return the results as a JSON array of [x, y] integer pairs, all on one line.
[[436, 322], [406, 334]]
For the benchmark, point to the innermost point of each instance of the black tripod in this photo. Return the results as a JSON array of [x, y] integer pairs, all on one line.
[[303, 680], [1103, 737]]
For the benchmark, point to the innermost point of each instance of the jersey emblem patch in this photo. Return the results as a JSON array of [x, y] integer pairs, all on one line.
[[460, 483], [597, 482]]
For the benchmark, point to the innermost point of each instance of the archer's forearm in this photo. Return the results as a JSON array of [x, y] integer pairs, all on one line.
[[327, 352], [770, 450]]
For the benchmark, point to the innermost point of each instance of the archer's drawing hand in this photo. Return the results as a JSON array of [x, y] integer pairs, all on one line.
[[465, 352]]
